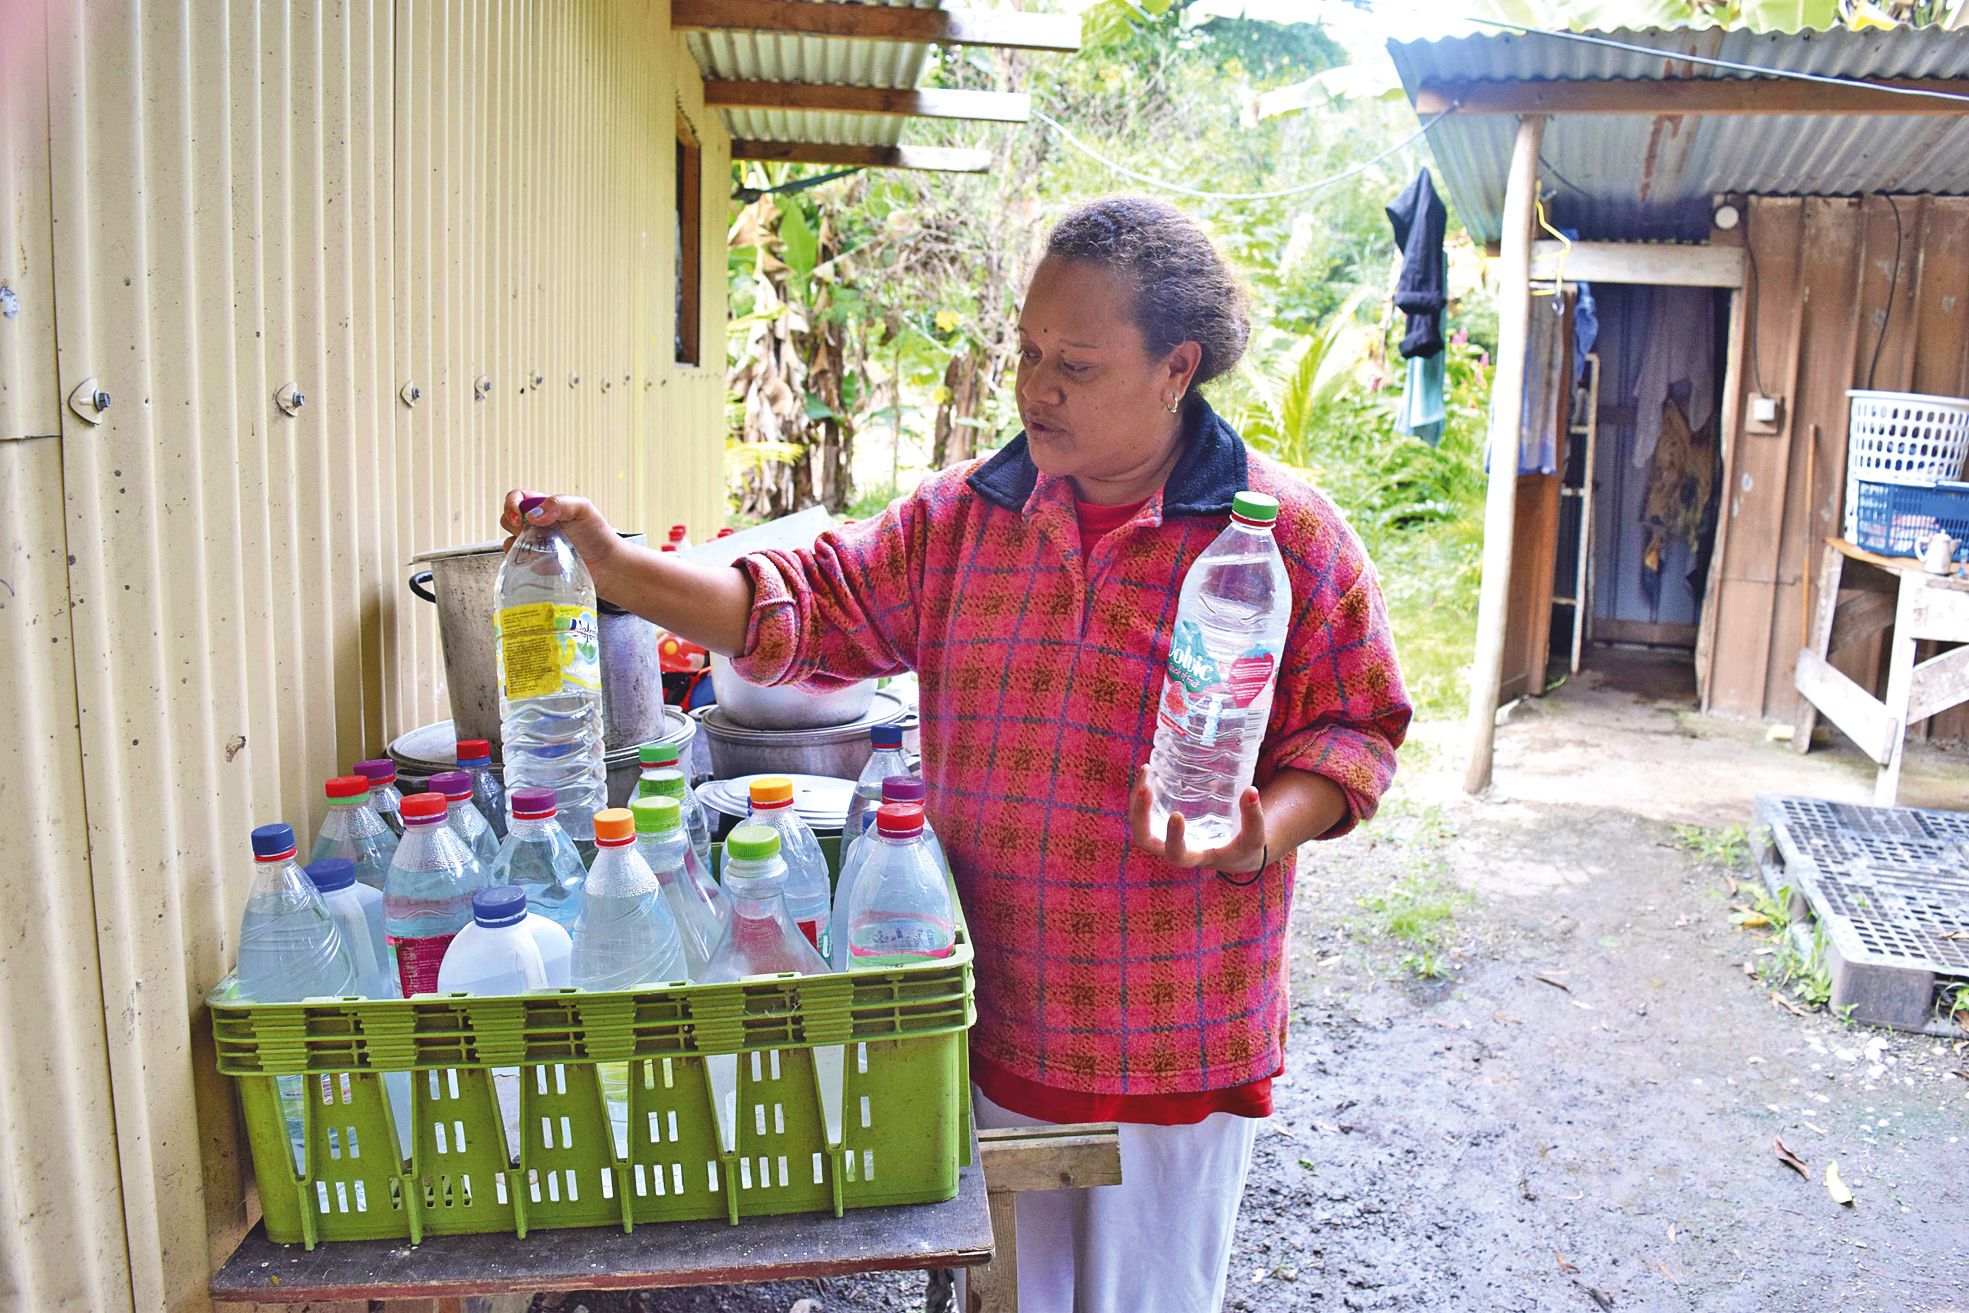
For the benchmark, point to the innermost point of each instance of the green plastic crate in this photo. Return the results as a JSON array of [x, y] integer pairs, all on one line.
[[843, 1091]]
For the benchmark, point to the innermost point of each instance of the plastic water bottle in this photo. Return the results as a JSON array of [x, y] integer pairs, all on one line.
[[464, 816], [550, 674], [427, 896], [657, 758], [897, 789], [488, 794], [1223, 666], [626, 935], [289, 946], [679, 537], [809, 896], [537, 856], [384, 796], [899, 908], [761, 937], [885, 760], [494, 954], [354, 831], [357, 910], [697, 905]]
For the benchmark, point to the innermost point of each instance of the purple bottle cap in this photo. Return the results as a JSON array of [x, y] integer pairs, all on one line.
[[452, 784], [903, 788], [885, 736], [377, 770], [528, 505], [532, 804]]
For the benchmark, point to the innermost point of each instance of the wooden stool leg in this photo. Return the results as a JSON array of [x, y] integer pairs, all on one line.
[[1831, 566], [994, 1287], [1900, 688]]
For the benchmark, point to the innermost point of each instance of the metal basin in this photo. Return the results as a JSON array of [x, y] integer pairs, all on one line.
[[836, 750], [425, 751], [756, 706]]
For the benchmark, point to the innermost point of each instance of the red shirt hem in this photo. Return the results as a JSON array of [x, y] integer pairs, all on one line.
[[1048, 1103]]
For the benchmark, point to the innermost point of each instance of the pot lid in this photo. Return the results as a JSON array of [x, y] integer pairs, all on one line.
[[819, 800], [432, 748], [882, 709]]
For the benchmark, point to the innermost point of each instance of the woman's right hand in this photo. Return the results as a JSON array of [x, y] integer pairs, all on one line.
[[592, 536]]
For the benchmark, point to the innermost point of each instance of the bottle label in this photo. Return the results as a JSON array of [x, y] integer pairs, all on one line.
[[418, 960], [816, 933], [547, 648], [1190, 663], [1197, 685]]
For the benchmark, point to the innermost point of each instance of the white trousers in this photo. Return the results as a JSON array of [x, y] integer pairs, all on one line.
[[1160, 1242]]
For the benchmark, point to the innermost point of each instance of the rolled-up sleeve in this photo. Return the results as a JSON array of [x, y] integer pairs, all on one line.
[[1340, 710], [842, 611]]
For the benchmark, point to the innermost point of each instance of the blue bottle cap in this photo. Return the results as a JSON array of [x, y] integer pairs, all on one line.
[[505, 905], [276, 840], [331, 873], [885, 736]]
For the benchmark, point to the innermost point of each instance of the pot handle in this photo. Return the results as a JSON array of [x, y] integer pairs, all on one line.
[[420, 584], [606, 607]]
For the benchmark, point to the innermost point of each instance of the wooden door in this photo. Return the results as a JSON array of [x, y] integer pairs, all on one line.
[[1535, 527]]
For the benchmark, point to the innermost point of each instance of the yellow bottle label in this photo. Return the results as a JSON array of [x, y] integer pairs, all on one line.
[[546, 648]]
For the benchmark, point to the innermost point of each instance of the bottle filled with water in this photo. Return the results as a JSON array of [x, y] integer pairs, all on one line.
[[697, 905], [626, 936], [550, 674], [899, 909], [496, 953], [664, 774], [427, 896], [808, 895], [357, 911], [488, 794], [352, 830], [384, 795], [905, 790], [761, 937], [1231, 620], [464, 816], [884, 760], [537, 856]]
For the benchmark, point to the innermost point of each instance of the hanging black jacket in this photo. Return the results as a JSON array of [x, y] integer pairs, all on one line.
[[1418, 219]]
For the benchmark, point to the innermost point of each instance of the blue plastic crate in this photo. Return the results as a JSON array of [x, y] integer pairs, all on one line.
[[1892, 519]]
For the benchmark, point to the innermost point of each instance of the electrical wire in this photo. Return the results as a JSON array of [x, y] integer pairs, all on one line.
[[1298, 190], [1893, 287], [1750, 253]]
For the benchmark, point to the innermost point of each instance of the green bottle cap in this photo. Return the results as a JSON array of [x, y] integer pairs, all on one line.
[[661, 784], [752, 843], [1257, 506], [657, 754], [657, 815]]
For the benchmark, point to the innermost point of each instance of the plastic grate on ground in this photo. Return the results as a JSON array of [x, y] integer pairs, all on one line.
[[1889, 882]]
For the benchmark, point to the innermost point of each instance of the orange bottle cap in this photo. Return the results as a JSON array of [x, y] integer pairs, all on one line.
[[615, 825], [772, 790]]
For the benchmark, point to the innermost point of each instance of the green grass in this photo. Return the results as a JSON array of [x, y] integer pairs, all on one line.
[[1726, 847], [1418, 910]]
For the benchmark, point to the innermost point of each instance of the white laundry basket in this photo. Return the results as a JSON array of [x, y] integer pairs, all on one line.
[[1902, 437]]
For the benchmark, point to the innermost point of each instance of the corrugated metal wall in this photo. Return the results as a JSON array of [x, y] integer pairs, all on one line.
[[203, 600], [1830, 273]]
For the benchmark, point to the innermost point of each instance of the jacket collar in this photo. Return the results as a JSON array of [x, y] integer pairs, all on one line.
[[1211, 470]]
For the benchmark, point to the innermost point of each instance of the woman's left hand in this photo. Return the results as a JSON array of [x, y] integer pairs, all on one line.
[[1245, 852]]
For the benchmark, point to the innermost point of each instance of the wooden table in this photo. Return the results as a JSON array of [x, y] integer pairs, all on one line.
[[1860, 595]]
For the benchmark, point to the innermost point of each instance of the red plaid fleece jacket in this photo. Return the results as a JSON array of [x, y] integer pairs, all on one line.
[[1099, 968]]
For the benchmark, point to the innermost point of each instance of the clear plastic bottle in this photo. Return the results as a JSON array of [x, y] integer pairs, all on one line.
[[427, 896], [897, 789], [550, 680], [809, 896], [537, 856], [679, 537], [657, 758], [357, 910], [384, 796], [626, 936], [884, 760], [289, 945], [353, 830], [1231, 620], [464, 816], [699, 907], [488, 794], [899, 908], [761, 937]]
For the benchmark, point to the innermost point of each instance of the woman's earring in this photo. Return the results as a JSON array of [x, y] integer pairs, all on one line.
[[1172, 407]]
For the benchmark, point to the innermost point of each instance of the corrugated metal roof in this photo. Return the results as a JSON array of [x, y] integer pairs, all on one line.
[[1631, 176], [832, 61]]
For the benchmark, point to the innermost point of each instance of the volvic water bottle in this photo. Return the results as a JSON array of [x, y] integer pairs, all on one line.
[[899, 909], [809, 896], [464, 816], [357, 911], [550, 680], [427, 896], [384, 795], [885, 760], [537, 856], [488, 794], [1231, 620], [659, 757], [354, 831], [697, 905]]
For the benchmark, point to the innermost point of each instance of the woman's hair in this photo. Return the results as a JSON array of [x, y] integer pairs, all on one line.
[[1184, 290]]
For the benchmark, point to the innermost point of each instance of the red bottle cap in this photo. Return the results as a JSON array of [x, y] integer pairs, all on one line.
[[899, 820]]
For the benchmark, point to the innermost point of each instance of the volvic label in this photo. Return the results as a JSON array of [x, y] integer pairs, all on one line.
[[1190, 663], [547, 648]]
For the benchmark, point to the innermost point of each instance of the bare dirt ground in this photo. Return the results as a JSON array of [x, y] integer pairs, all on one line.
[[1576, 1110]]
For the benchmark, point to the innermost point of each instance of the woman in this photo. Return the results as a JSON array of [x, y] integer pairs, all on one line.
[[1121, 975]]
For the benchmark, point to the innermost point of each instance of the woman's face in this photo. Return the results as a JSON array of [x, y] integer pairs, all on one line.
[[1094, 400]]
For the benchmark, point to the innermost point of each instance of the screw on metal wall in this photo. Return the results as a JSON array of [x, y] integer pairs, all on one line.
[[605, 383], [574, 380], [538, 378], [290, 398], [411, 394], [483, 388], [88, 401]]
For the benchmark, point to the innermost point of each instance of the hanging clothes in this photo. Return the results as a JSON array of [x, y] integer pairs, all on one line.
[[1681, 349], [1422, 412], [1681, 481], [1422, 290]]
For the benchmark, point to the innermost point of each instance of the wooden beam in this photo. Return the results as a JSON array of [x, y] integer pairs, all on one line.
[[927, 159], [1068, 1157], [912, 102], [1655, 264], [1656, 97], [1861, 716], [956, 27], [1506, 412]]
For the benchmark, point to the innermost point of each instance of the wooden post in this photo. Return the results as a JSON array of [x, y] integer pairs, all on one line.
[[1507, 406]]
